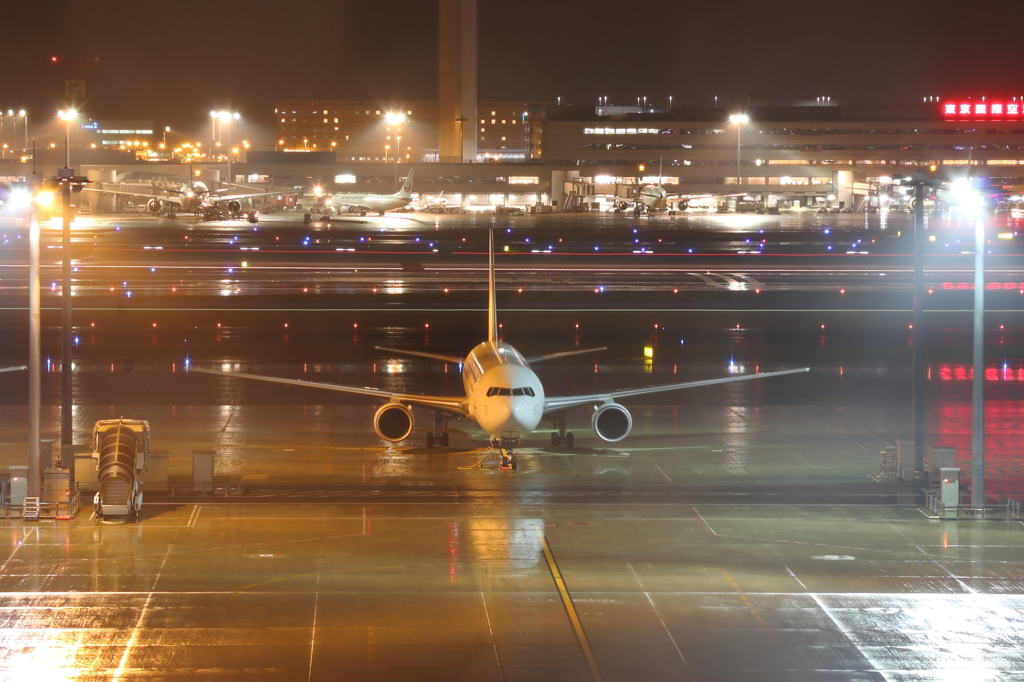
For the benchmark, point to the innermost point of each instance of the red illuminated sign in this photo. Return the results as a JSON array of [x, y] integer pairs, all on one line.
[[983, 111]]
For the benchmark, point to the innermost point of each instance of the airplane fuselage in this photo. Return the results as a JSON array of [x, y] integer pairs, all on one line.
[[653, 197], [506, 398], [373, 202]]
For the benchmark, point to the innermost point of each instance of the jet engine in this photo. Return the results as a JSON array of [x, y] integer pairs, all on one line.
[[393, 422], [234, 206], [154, 206], [612, 422], [622, 205]]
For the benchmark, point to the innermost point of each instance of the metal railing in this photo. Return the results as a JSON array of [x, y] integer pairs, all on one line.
[[227, 486], [1011, 506], [1003, 507]]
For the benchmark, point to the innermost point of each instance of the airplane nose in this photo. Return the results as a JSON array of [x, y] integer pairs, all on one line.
[[526, 414], [516, 417]]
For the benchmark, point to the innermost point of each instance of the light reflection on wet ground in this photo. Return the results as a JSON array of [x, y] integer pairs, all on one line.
[[738, 534]]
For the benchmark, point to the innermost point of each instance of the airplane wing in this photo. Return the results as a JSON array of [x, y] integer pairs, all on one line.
[[12, 369], [432, 356], [554, 356], [558, 404], [160, 197], [449, 404], [250, 195], [689, 197]]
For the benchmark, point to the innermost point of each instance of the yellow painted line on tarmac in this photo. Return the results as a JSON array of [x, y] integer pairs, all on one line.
[[746, 602], [569, 607]]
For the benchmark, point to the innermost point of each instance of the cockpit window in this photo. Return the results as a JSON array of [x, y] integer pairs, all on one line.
[[502, 391]]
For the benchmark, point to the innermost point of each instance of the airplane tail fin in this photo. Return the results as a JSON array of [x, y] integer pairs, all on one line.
[[492, 309], [405, 191]]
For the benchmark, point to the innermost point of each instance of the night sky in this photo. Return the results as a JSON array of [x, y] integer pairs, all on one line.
[[174, 62]]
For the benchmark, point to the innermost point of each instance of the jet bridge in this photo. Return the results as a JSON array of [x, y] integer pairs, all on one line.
[[121, 451]]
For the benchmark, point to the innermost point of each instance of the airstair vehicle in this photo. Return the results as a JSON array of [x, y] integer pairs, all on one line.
[[121, 451]]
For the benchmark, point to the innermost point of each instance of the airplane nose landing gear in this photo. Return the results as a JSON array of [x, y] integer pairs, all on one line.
[[507, 445]]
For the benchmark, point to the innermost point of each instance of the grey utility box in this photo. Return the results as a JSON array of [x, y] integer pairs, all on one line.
[[56, 485], [937, 459], [156, 477], [85, 471], [19, 485], [202, 470], [949, 491]]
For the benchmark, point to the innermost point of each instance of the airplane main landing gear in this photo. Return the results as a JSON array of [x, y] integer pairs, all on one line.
[[561, 437], [439, 436]]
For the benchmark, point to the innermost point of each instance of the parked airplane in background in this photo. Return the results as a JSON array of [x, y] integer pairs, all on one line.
[[12, 369], [502, 395], [362, 203], [655, 199], [195, 198]]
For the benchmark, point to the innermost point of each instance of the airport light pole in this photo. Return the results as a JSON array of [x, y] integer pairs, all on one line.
[[398, 155], [738, 120], [69, 183], [67, 115], [24, 114], [214, 115], [396, 118], [978, 389], [34, 359], [978, 384], [228, 117], [917, 333]]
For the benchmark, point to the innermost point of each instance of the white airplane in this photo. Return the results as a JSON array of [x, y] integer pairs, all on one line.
[[194, 198], [12, 369], [502, 395], [361, 203], [651, 198]]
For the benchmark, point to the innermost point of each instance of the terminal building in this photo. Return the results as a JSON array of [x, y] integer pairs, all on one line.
[[793, 154], [798, 153]]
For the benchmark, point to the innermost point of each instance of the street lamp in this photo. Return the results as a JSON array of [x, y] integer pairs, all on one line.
[[395, 118], [398, 155], [24, 114], [24, 198], [228, 118], [67, 115], [970, 199], [214, 115], [738, 120]]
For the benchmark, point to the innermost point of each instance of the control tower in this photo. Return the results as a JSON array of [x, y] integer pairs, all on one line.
[[457, 119]]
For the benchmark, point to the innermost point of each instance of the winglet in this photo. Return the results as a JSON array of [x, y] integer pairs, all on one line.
[[492, 308], [405, 191]]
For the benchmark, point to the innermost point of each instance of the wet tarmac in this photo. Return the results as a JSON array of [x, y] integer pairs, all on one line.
[[741, 532]]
